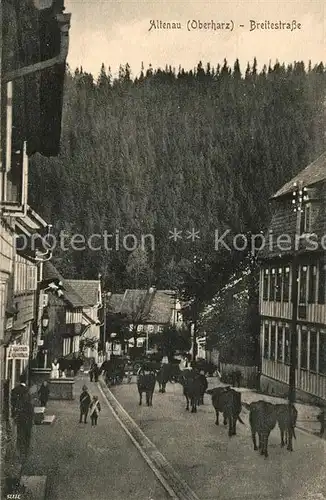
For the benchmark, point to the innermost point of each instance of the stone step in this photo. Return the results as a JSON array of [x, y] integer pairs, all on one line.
[[48, 420], [35, 486], [39, 412]]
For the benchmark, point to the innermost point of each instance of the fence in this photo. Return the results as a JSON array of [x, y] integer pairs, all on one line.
[[248, 376]]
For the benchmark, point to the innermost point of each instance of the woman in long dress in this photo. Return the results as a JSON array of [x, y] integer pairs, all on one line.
[[55, 369]]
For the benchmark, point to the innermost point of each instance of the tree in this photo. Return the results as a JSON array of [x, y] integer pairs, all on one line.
[[171, 339], [138, 268]]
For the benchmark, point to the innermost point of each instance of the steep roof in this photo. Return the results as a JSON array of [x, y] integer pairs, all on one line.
[[87, 289], [284, 220], [144, 306], [70, 295], [114, 303], [162, 306], [313, 173]]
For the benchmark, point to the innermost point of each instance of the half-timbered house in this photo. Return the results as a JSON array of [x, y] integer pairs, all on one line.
[[301, 231]]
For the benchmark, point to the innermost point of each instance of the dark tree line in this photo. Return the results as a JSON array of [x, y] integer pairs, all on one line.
[[202, 149]]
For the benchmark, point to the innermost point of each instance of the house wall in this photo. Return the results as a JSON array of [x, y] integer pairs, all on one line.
[[311, 357], [52, 336], [93, 331]]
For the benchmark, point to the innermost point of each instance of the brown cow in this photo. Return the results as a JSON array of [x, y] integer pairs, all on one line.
[[227, 401], [262, 418], [287, 418], [192, 388], [146, 383]]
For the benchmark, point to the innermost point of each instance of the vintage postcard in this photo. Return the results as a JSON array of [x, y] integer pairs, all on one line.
[[163, 249]]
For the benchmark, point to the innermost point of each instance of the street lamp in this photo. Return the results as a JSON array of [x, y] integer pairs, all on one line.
[[299, 196], [45, 319]]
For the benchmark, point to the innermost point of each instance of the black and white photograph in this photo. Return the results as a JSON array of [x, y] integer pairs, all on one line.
[[163, 249]]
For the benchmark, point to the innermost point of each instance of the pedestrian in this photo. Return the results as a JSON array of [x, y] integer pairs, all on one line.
[[43, 393], [94, 410], [85, 400], [91, 371], [22, 411], [96, 372], [55, 369]]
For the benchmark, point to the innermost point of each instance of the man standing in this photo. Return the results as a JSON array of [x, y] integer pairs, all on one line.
[[22, 412]]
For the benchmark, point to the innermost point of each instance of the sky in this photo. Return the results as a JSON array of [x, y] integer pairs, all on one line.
[[116, 32]]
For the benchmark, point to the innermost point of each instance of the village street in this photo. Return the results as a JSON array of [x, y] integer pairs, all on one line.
[[83, 462], [217, 467]]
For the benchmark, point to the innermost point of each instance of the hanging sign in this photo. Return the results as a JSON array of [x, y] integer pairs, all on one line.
[[18, 352]]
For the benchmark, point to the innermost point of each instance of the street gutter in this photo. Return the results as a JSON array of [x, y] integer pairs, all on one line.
[[174, 485]]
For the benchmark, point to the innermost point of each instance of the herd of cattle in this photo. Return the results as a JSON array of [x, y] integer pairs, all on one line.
[[263, 415]]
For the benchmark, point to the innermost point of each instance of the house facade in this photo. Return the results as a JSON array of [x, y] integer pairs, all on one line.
[[146, 311], [300, 230], [71, 318]]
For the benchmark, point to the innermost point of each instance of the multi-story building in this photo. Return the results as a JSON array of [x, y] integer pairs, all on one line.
[[72, 316], [34, 46], [146, 312], [297, 235]]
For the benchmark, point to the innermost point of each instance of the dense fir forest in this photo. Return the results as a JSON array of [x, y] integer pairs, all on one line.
[[201, 149]]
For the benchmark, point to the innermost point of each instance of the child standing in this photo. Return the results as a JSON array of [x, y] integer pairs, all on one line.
[[95, 409], [84, 400], [43, 393]]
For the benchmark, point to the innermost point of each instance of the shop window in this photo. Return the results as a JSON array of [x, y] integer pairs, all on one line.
[[312, 284], [322, 282], [313, 351], [273, 342], [322, 353], [287, 345], [272, 284], [286, 284], [304, 349], [280, 343], [278, 285], [303, 284], [266, 340], [265, 284]]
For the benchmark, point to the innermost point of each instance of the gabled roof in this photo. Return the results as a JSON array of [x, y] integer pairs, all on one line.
[[284, 220], [143, 306], [313, 173], [162, 306], [114, 303], [87, 289], [70, 295]]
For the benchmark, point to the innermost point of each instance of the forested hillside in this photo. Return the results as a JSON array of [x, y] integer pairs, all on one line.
[[202, 149]]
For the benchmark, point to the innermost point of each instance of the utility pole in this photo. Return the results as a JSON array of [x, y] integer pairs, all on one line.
[[299, 196]]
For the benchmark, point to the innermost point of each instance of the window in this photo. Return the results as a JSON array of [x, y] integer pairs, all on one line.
[[312, 284], [303, 284], [322, 282], [265, 284], [278, 285], [322, 353], [273, 342], [272, 283], [287, 345], [305, 226], [266, 340], [304, 349], [286, 284], [280, 343], [313, 351]]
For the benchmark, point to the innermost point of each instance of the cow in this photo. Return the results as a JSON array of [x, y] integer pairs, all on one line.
[[192, 388], [146, 383], [262, 418], [286, 416], [227, 401], [168, 372], [203, 387]]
